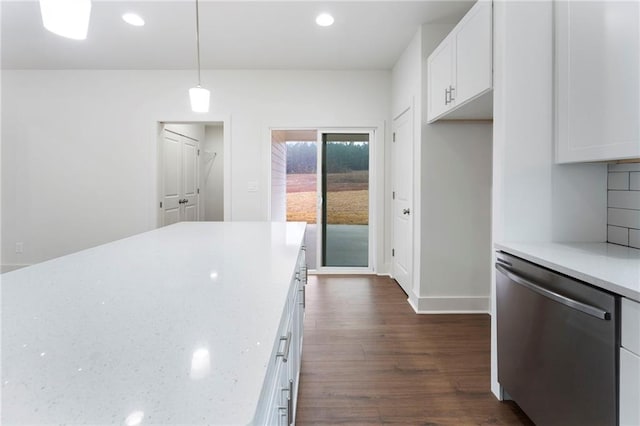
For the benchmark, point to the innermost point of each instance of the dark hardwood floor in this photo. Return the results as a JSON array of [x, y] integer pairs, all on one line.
[[369, 359]]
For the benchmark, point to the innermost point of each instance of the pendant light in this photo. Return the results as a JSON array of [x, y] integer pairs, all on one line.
[[67, 18], [199, 95]]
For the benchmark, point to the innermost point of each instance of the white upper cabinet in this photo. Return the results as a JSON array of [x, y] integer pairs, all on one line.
[[597, 60], [460, 71], [441, 72]]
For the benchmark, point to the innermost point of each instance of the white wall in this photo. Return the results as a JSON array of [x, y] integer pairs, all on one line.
[[212, 160], [456, 206], [456, 217], [452, 192], [79, 147], [534, 200], [406, 89], [278, 176]]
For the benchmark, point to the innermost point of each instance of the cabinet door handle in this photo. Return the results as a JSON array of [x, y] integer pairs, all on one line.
[[285, 353], [290, 404], [451, 90], [446, 96], [304, 297]]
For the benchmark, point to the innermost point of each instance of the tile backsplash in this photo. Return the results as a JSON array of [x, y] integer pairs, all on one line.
[[623, 204]]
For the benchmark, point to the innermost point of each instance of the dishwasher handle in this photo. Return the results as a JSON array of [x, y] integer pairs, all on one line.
[[582, 307]]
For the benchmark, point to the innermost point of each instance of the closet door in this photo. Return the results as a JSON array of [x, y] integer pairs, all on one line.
[[180, 193], [189, 180], [171, 178]]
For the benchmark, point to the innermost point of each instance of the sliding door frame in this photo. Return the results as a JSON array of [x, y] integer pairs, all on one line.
[[372, 220]]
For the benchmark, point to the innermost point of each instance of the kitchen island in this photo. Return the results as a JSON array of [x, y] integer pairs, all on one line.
[[185, 324]]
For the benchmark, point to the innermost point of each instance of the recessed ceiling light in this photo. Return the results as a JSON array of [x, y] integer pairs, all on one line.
[[66, 18], [133, 19], [324, 20]]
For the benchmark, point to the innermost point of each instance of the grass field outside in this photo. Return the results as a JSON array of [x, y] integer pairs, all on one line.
[[347, 198]]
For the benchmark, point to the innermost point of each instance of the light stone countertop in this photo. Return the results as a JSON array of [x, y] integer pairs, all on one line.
[[172, 326], [608, 266]]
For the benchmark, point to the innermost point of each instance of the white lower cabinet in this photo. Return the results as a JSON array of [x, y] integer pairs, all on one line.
[[630, 364], [279, 395], [629, 388]]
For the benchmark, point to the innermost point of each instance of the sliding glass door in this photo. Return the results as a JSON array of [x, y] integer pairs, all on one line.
[[345, 194], [323, 178]]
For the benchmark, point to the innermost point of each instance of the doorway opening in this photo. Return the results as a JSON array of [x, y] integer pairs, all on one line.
[[191, 172], [323, 178]]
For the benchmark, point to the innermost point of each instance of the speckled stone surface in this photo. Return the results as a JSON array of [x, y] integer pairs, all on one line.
[[173, 326], [611, 267]]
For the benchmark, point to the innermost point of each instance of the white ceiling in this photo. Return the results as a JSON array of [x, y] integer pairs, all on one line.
[[234, 34]]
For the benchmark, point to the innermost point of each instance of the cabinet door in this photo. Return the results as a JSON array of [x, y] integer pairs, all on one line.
[[597, 80], [473, 62], [439, 72], [629, 388]]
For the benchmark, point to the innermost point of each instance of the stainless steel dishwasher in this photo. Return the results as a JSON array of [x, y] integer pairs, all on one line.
[[558, 345]]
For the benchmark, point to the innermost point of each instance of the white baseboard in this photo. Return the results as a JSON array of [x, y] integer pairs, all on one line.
[[9, 268], [450, 305]]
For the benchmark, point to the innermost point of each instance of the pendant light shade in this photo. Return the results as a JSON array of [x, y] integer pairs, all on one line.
[[199, 96], [67, 18], [199, 99]]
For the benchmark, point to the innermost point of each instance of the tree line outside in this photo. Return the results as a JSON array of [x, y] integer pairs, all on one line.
[[347, 182], [341, 157]]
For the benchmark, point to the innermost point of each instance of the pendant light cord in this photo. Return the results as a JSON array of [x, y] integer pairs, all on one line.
[[198, 39]]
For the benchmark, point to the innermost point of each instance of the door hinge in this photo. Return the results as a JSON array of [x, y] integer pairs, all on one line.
[[160, 204], [198, 152], [198, 190], [393, 195], [394, 136], [393, 252]]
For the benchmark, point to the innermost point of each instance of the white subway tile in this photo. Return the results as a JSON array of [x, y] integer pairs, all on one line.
[[624, 167], [634, 181], [624, 199], [618, 181], [617, 235], [634, 238], [623, 217]]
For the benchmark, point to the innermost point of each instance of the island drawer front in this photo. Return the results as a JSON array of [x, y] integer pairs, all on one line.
[[631, 326]]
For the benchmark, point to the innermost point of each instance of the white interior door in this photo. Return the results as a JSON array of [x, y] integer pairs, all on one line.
[[190, 180], [180, 193], [402, 260], [171, 178]]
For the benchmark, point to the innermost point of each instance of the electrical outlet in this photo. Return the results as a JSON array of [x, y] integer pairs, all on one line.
[[19, 248]]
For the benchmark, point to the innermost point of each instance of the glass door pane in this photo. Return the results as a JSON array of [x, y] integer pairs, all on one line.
[[302, 190], [345, 191]]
